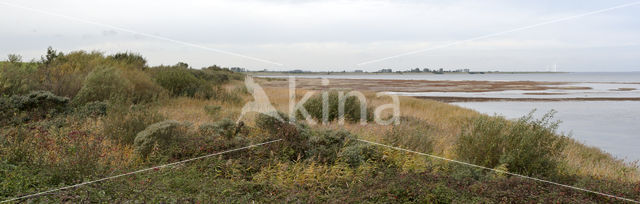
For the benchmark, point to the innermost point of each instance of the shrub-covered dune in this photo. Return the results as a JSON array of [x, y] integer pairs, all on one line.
[[80, 116]]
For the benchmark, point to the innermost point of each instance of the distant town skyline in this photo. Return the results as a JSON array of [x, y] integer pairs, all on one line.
[[335, 35]]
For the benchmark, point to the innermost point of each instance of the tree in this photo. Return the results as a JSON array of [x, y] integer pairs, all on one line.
[[51, 55], [182, 64], [14, 58], [130, 59]]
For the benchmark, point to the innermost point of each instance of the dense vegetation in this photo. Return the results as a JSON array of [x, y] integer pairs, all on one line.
[[80, 116]]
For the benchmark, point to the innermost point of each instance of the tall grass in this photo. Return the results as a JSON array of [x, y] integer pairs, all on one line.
[[412, 134]]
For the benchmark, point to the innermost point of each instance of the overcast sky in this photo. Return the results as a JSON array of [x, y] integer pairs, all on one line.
[[334, 35]]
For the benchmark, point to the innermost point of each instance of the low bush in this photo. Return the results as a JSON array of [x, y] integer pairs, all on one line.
[[103, 84], [295, 136], [143, 88], [324, 145], [411, 133], [43, 101], [225, 128], [178, 80], [130, 60], [62, 73], [160, 134], [525, 146], [272, 124], [352, 108], [18, 78], [108, 83], [206, 83], [33, 106], [358, 153], [122, 122], [92, 109]]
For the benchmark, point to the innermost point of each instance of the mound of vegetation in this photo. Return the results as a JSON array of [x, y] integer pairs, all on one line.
[[320, 145], [353, 109], [35, 105], [526, 146], [160, 134]]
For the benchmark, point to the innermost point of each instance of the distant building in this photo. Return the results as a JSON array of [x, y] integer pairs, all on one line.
[[358, 71], [385, 71], [296, 71]]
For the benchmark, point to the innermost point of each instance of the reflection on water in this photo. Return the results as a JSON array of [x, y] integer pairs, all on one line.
[[613, 126]]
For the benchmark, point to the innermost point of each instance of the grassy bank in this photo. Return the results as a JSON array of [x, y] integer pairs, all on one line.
[[80, 116]]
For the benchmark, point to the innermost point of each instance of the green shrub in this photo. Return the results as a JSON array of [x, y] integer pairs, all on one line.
[[103, 84], [295, 136], [18, 78], [92, 109], [225, 128], [162, 134], [272, 124], [324, 145], [43, 101], [63, 73], [107, 83], [131, 60], [179, 81], [352, 109], [209, 130], [356, 154], [122, 122], [210, 75], [183, 81], [411, 133], [33, 106], [525, 146], [143, 89], [217, 75]]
